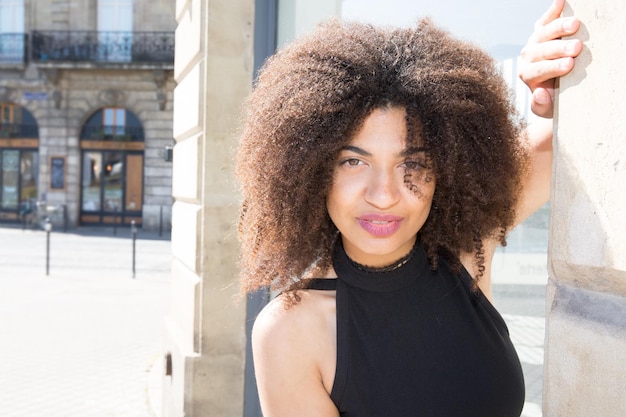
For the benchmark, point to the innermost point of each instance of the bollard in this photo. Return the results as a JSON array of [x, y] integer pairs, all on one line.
[[48, 227], [133, 231], [115, 223], [161, 222], [64, 207]]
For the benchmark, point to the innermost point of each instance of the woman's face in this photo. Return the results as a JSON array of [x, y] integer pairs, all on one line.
[[382, 192]]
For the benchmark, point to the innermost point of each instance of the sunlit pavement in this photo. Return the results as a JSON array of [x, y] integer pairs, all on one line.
[[83, 340], [86, 339]]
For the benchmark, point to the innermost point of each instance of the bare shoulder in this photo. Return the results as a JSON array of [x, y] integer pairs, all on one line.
[[294, 349], [282, 329], [278, 318]]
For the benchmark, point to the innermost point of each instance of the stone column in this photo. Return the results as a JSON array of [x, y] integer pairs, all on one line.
[[205, 329], [585, 369]]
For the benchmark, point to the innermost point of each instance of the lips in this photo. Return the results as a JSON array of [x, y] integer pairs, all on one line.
[[380, 225]]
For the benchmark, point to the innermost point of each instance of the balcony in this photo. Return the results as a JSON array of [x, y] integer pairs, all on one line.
[[13, 48], [12, 131], [153, 49], [112, 133]]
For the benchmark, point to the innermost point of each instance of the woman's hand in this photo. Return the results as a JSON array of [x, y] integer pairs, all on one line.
[[547, 56]]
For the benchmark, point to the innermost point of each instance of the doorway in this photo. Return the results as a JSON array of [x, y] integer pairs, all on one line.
[[111, 187], [19, 161], [112, 168]]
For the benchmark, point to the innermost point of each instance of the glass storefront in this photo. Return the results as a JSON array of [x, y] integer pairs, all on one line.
[[19, 160], [111, 187], [18, 181], [10, 179], [112, 168]]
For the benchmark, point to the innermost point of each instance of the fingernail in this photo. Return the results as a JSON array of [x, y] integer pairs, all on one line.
[[564, 63], [570, 47], [569, 25], [542, 97]]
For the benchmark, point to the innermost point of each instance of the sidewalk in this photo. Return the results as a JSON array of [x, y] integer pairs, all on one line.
[[86, 339], [82, 340]]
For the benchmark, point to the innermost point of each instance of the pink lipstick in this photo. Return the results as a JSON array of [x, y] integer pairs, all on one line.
[[380, 225]]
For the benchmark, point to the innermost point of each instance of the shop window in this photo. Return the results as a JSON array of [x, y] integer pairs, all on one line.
[[18, 177]]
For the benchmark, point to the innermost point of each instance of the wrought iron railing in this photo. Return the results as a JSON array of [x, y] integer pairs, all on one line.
[[99, 47], [11, 130], [114, 133], [13, 48]]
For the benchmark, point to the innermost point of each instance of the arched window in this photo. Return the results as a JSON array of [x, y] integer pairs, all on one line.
[[113, 123], [17, 122]]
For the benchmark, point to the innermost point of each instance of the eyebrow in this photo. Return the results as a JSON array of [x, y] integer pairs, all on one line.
[[356, 149], [363, 152], [413, 150]]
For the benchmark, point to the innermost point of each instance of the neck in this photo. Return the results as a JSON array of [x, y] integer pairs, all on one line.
[[386, 268]]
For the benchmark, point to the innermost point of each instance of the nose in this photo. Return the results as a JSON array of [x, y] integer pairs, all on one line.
[[383, 189]]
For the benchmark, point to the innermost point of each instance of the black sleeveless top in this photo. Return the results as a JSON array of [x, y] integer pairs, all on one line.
[[417, 342]]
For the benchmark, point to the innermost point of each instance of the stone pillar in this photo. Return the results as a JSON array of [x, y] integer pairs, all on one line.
[[205, 329], [585, 369]]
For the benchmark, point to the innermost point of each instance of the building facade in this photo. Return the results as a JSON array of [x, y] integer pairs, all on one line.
[[86, 111]]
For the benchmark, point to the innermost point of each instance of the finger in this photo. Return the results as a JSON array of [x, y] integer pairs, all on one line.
[[551, 50], [555, 10], [542, 102], [563, 26], [536, 73]]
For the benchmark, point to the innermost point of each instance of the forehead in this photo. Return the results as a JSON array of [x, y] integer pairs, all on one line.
[[388, 126]]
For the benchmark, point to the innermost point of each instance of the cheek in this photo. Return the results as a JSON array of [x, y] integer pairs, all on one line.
[[341, 198], [344, 189], [333, 202]]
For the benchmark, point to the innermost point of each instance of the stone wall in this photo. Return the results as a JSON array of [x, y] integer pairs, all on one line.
[[585, 366]]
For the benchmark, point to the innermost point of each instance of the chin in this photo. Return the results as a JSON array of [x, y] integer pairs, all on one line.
[[385, 250]]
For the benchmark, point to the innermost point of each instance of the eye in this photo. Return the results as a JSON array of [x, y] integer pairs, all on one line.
[[415, 164], [351, 162]]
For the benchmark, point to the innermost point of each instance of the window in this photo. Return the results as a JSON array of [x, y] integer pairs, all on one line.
[[113, 123], [7, 113], [19, 172], [115, 30], [17, 122], [10, 117], [115, 15], [12, 31]]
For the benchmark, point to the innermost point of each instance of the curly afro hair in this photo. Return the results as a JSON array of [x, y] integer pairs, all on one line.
[[314, 94]]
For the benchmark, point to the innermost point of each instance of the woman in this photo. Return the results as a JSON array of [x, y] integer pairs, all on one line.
[[380, 170]]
